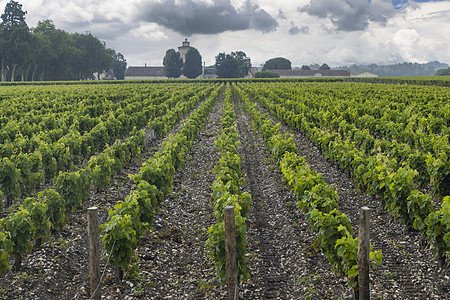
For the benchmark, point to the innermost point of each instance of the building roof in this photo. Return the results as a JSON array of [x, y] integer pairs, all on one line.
[[145, 71], [311, 73], [209, 71]]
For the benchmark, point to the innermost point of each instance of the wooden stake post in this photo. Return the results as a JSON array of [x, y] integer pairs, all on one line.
[[230, 251], [94, 257], [363, 254]]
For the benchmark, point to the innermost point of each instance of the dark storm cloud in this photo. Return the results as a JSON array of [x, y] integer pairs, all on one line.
[[111, 30], [294, 30], [190, 17], [351, 15]]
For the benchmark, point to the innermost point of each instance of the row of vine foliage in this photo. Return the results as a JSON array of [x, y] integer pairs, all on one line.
[[39, 140], [408, 124], [400, 80], [103, 167], [317, 200], [131, 218], [379, 174], [226, 190], [35, 219], [413, 80]]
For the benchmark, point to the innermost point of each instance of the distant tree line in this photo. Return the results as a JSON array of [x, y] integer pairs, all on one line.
[[48, 53], [281, 63], [232, 65], [443, 72], [401, 69]]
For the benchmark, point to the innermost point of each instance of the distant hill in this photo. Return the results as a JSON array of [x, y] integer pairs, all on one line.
[[403, 69]]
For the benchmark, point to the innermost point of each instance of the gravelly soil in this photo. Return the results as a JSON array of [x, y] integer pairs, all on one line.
[[283, 263], [173, 261], [179, 265], [407, 271]]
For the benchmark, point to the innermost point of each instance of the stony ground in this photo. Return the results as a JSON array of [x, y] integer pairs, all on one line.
[[408, 271], [173, 263]]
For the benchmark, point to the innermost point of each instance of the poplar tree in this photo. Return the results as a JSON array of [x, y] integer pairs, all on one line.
[[193, 64], [172, 64]]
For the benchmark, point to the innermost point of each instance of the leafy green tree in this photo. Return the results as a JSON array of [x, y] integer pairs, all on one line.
[[15, 37], [443, 72], [324, 67], [47, 53], [94, 57], [193, 64], [13, 16], [226, 66], [244, 62], [4, 70], [305, 67], [65, 58], [278, 63], [233, 65], [172, 64], [119, 64]]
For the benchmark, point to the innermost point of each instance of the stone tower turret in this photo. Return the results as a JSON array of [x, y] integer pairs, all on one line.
[[183, 49]]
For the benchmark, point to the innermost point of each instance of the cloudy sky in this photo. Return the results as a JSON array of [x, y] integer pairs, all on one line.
[[337, 32]]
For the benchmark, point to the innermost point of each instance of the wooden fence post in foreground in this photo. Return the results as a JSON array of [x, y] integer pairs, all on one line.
[[94, 257], [230, 251], [363, 253]]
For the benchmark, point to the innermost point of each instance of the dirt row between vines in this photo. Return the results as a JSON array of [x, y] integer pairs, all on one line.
[[283, 264], [408, 271], [59, 268]]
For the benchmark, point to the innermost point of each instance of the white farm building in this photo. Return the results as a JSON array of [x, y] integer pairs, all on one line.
[[148, 73], [144, 73]]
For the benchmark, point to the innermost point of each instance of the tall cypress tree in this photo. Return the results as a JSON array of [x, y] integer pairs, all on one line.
[[172, 64], [193, 64]]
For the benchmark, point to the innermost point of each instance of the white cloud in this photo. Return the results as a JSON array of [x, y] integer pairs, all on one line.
[[149, 31], [406, 38], [68, 12]]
